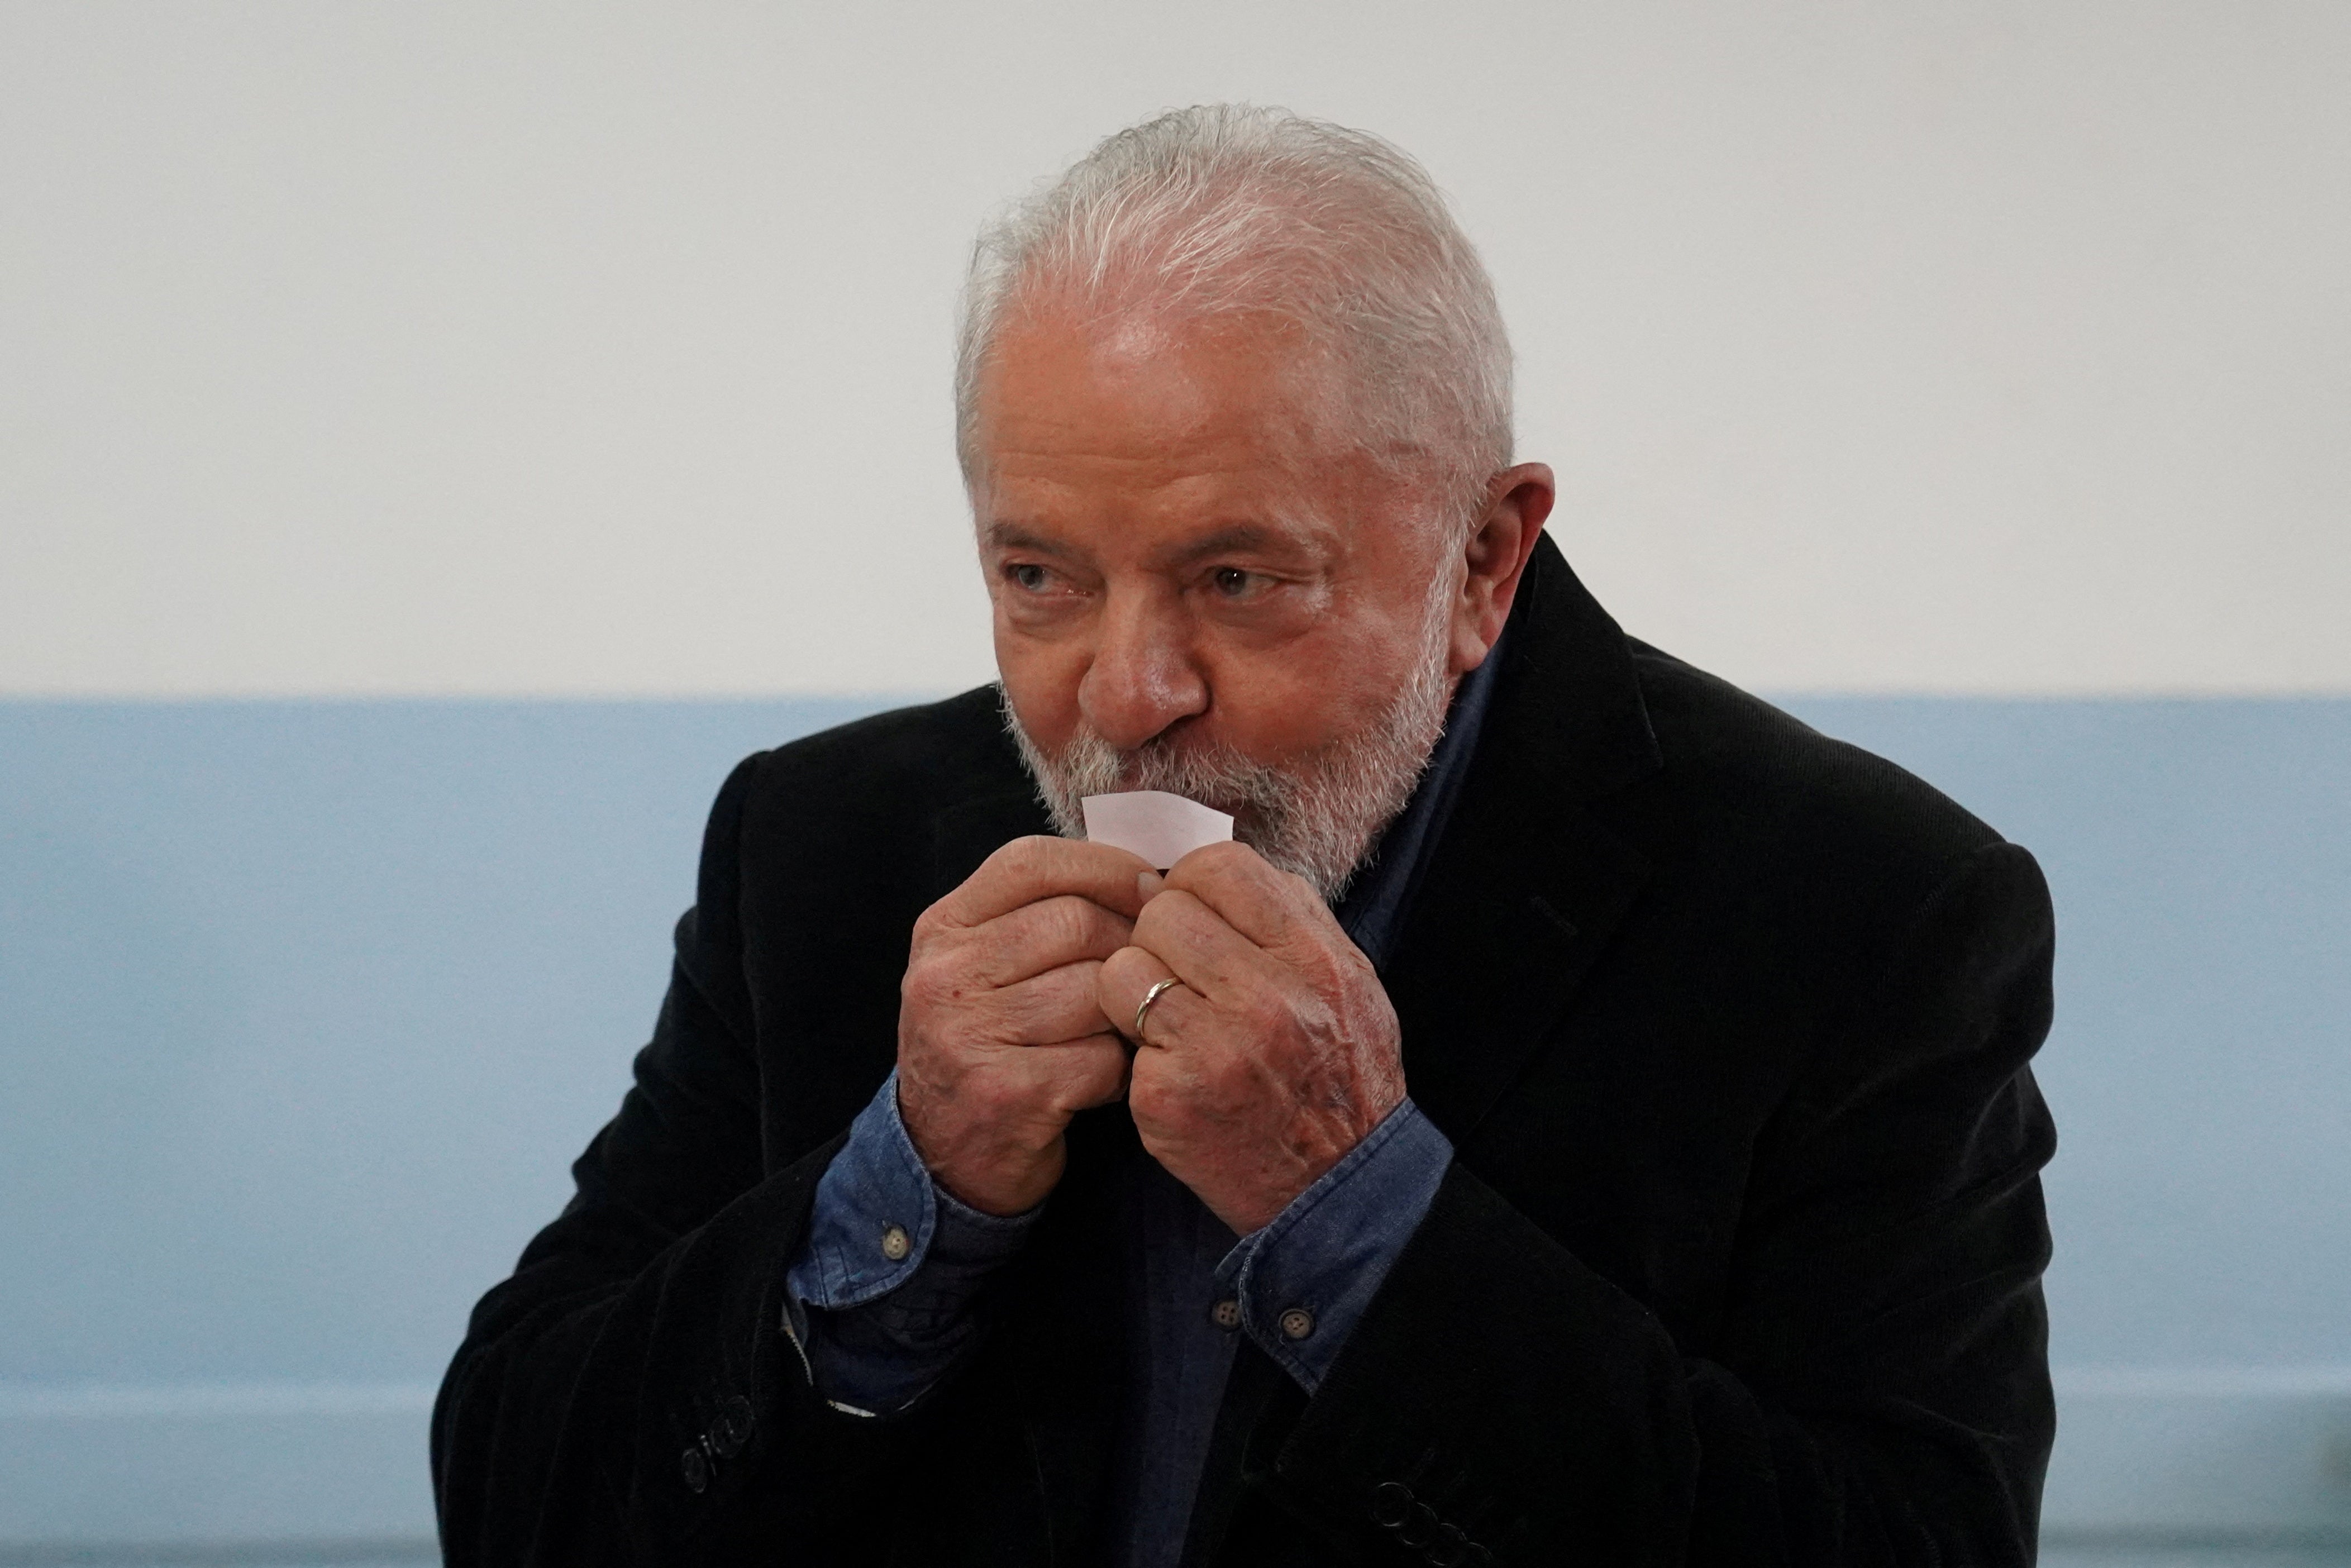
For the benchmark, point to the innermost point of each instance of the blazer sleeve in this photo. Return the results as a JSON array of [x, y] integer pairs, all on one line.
[[1882, 1394], [613, 1400]]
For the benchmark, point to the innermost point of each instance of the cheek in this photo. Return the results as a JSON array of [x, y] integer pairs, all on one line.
[[1042, 682], [1300, 697]]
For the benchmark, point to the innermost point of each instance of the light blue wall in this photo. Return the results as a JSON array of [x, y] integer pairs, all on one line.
[[305, 1007]]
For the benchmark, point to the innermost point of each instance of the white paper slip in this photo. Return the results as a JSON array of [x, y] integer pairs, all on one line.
[[1161, 828]]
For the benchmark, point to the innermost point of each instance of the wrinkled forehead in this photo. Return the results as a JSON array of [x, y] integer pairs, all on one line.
[[1147, 383]]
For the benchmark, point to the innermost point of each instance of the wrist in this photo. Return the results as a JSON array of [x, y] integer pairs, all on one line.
[[999, 1183]]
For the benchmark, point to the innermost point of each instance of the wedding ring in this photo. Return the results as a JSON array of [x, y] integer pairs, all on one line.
[[1158, 990]]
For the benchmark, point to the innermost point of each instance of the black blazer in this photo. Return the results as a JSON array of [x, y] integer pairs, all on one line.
[[1738, 1261]]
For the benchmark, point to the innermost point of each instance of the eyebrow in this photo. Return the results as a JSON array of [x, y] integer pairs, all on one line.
[[1012, 536], [1233, 539]]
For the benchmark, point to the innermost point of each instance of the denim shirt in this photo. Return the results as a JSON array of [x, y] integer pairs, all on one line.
[[880, 1290]]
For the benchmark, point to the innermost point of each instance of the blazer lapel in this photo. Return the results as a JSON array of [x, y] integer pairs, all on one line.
[[1496, 947], [1525, 887]]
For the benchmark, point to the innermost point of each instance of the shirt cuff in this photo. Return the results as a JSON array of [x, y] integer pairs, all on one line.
[[875, 1213], [892, 1265], [1306, 1279]]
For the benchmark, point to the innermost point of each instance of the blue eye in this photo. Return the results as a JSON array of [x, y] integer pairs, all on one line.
[[1029, 575]]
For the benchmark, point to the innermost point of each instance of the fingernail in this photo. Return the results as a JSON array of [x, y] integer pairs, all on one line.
[[1148, 883]]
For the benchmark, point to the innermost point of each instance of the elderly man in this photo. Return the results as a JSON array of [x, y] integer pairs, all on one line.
[[1583, 1117]]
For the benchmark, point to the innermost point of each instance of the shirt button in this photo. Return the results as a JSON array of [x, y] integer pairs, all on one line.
[[1226, 1315], [1297, 1323], [896, 1243]]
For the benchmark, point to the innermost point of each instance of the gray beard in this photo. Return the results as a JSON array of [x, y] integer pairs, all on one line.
[[1315, 816]]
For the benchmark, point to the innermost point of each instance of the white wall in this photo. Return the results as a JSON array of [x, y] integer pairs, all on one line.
[[448, 348]]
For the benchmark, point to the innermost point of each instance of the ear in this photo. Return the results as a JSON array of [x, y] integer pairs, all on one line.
[[1518, 500]]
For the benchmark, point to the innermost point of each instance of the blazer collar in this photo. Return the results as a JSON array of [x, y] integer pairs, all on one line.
[[1568, 701], [1526, 885]]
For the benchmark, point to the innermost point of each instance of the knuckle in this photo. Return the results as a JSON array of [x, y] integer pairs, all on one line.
[[1029, 1015], [1146, 1094], [1164, 916], [1027, 854], [1070, 923], [930, 982], [1122, 971], [1230, 866], [1216, 857]]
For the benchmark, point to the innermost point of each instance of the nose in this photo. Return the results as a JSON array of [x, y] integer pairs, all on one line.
[[1143, 678]]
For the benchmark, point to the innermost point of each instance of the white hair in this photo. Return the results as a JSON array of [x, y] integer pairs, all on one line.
[[1231, 208]]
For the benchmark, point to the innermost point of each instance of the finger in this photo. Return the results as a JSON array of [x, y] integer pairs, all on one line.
[[1199, 947], [1268, 906], [1173, 1019], [1074, 1075], [1028, 870], [1125, 978], [1044, 936], [1058, 1005]]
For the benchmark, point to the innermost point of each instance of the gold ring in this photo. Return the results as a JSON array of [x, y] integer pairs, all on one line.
[[1158, 989]]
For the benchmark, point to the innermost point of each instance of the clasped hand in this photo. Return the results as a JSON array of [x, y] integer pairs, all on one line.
[[1273, 1055]]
